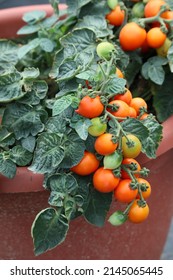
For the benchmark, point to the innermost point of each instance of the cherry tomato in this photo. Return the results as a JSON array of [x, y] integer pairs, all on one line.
[[145, 187], [132, 36], [119, 73], [87, 165], [113, 160], [138, 103], [124, 192], [138, 214], [104, 50], [126, 96], [104, 180], [131, 146], [104, 144], [155, 37], [90, 107], [153, 7], [119, 108], [97, 128], [138, 10], [132, 165], [112, 3], [116, 16], [132, 112]]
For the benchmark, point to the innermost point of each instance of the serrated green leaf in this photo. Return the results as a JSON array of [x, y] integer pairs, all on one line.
[[23, 120], [61, 105], [20, 155], [98, 207], [7, 166], [81, 125], [49, 229], [6, 137], [10, 85], [151, 143], [28, 47], [74, 150], [48, 153], [47, 45], [28, 143], [115, 85], [75, 6], [136, 127], [156, 74], [8, 53], [34, 16], [30, 73]]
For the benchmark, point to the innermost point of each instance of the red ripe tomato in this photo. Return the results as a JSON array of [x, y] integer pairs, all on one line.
[[124, 192], [127, 162], [104, 180], [104, 144], [116, 16], [90, 107], [137, 213], [121, 108], [132, 36], [87, 165]]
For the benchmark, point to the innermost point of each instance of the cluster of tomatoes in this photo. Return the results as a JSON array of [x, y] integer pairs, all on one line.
[[113, 165], [150, 28]]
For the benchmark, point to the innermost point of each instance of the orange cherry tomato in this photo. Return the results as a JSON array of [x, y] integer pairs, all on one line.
[[87, 165], [138, 103], [104, 144], [104, 180], [124, 192], [116, 16], [90, 107], [155, 37], [129, 162], [121, 108], [126, 96], [138, 214]]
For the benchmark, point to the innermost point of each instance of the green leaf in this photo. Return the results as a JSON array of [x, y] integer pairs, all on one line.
[[97, 24], [153, 70], [7, 166], [115, 85], [136, 127], [170, 57], [75, 6], [34, 16], [20, 155], [49, 229], [98, 207], [163, 99], [47, 45], [8, 53], [28, 29], [33, 44], [81, 39], [23, 120], [10, 85], [80, 124], [57, 124], [61, 104], [74, 148], [151, 143], [28, 143], [62, 183], [48, 153], [55, 4], [30, 73], [6, 137]]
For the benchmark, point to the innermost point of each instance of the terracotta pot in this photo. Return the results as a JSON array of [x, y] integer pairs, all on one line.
[[23, 197]]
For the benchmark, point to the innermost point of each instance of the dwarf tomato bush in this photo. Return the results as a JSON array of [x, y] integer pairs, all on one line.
[[70, 115]]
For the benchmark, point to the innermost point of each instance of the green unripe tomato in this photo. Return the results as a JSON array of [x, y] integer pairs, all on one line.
[[138, 10], [113, 160], [117, 218], [97, 128], [163, 50], [104, 50], [112, 3]]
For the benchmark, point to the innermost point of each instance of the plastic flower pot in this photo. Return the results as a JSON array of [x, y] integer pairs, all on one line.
[[23, 197]]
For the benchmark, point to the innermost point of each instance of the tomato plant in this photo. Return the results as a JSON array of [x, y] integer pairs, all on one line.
[[78, 99]]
